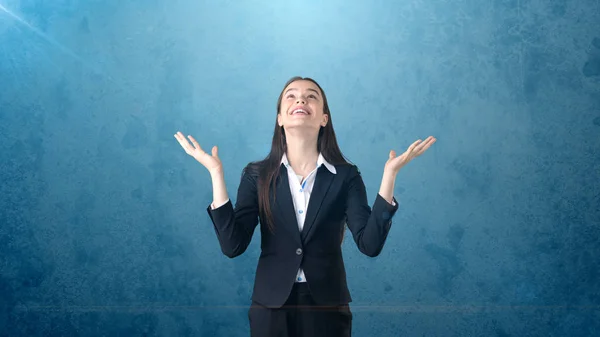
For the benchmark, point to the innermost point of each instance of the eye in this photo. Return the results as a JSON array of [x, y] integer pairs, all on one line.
[[290, 96], [312, 96]]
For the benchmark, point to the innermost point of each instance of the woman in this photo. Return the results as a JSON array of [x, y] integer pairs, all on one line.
[[300, 286]]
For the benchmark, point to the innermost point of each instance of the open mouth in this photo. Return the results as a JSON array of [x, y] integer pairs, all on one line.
[[300, 111]]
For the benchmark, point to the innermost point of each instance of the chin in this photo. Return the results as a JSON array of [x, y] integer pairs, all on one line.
[[302, 127]]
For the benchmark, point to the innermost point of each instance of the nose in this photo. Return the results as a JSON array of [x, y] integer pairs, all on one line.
[[300, 100]]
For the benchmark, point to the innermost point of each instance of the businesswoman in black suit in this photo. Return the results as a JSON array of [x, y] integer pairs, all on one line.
[[300, 286]]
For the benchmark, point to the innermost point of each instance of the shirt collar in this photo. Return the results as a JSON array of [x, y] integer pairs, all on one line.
[[320, 161]]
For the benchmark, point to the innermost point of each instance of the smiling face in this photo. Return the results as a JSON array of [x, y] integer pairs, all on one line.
[[302, 107]]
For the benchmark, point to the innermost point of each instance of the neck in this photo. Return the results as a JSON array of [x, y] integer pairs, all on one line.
[[301, 152]]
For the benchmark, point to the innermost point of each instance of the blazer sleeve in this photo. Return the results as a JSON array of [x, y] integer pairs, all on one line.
[[235, 226], [369, 226]]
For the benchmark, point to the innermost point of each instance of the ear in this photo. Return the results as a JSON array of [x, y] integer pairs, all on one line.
[[325, 120], [279, 119]]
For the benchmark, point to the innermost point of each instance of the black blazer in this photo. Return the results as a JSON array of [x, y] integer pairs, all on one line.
[[336, 200]]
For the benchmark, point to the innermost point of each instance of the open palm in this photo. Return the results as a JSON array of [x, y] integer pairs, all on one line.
[[414, 150], [211, 162]]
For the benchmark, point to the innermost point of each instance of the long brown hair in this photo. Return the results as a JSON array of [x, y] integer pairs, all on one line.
[[268, 168]]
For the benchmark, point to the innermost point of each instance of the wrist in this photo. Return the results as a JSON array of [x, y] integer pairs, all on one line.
[[216, 173], [390, 173]]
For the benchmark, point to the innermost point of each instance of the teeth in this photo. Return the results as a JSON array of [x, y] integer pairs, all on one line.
[[299, 111]]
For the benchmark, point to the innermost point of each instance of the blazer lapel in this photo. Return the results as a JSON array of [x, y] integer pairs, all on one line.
[[322, 182], [285, 205]]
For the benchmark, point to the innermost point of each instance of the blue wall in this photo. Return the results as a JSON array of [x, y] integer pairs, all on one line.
[[103, 228]]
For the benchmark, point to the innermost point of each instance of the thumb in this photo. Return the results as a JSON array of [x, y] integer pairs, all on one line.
[[392, 154], [215, 151]]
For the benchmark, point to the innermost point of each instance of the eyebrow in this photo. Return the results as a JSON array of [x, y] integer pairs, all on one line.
[[309, 89]]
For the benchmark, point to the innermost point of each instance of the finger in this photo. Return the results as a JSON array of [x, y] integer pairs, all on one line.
[[215, 151], [195, 143], [179, 136], [430, 139], [425, 145], [392, 154], [183, 142], [413, 145]]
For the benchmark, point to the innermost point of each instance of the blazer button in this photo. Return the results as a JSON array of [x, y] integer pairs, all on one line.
[[298, 251]]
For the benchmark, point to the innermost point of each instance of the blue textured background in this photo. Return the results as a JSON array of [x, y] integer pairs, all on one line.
[[103, 228]]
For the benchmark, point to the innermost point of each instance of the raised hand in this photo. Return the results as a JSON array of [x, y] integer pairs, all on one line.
[[394, 164], [212, 163]]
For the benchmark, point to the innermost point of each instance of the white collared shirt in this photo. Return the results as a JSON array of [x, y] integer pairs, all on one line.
[[301, 188]]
